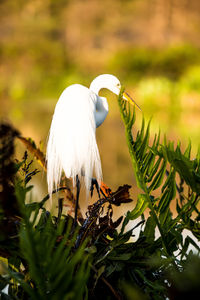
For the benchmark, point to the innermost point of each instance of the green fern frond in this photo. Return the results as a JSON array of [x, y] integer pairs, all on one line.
[[47, 248], [155, 166]]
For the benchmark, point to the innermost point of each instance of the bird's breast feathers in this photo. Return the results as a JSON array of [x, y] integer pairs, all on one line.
[[72, 134]]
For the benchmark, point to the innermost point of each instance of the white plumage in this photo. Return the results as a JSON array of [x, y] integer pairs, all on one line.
[[72, 143]]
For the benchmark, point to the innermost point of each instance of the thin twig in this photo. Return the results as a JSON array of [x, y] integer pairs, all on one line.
[[115, 293]]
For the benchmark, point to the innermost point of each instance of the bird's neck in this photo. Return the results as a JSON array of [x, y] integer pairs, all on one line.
[[96, 86], [101, 110], [101, 104]]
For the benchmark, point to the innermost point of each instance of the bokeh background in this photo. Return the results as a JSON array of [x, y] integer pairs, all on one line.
[[151, 46]]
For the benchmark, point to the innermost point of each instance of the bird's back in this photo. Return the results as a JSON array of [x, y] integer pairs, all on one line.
[[72, 141]]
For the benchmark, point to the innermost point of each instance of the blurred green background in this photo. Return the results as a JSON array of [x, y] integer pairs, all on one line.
[[151, 46]]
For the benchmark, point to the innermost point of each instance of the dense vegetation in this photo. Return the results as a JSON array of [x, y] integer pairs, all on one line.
[[43, 257]]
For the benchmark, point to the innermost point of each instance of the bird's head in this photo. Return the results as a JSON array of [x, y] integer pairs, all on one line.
[[111, 83]]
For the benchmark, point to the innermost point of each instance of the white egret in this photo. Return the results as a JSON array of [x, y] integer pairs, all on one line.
[[72, 143]]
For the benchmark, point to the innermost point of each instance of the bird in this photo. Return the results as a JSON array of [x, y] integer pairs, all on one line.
[[72, 145]]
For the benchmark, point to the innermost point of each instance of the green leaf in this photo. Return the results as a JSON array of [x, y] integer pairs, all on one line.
[[165, 215], [124, 256], [191, 241], [187, 152], [157, 181], [142, 204], [149, 231], [184, 167], [169, 193], [146, 162], [144, 143], [153, 169]]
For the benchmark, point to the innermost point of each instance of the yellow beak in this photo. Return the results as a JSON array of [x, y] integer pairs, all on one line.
[[128, 98]]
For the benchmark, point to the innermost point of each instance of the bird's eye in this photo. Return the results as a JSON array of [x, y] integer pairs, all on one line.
[[118, 85]]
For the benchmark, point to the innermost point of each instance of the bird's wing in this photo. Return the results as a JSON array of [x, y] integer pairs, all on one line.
[[72, 143]]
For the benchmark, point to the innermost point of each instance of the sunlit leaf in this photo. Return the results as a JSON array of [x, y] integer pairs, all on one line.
[[141, 205]]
